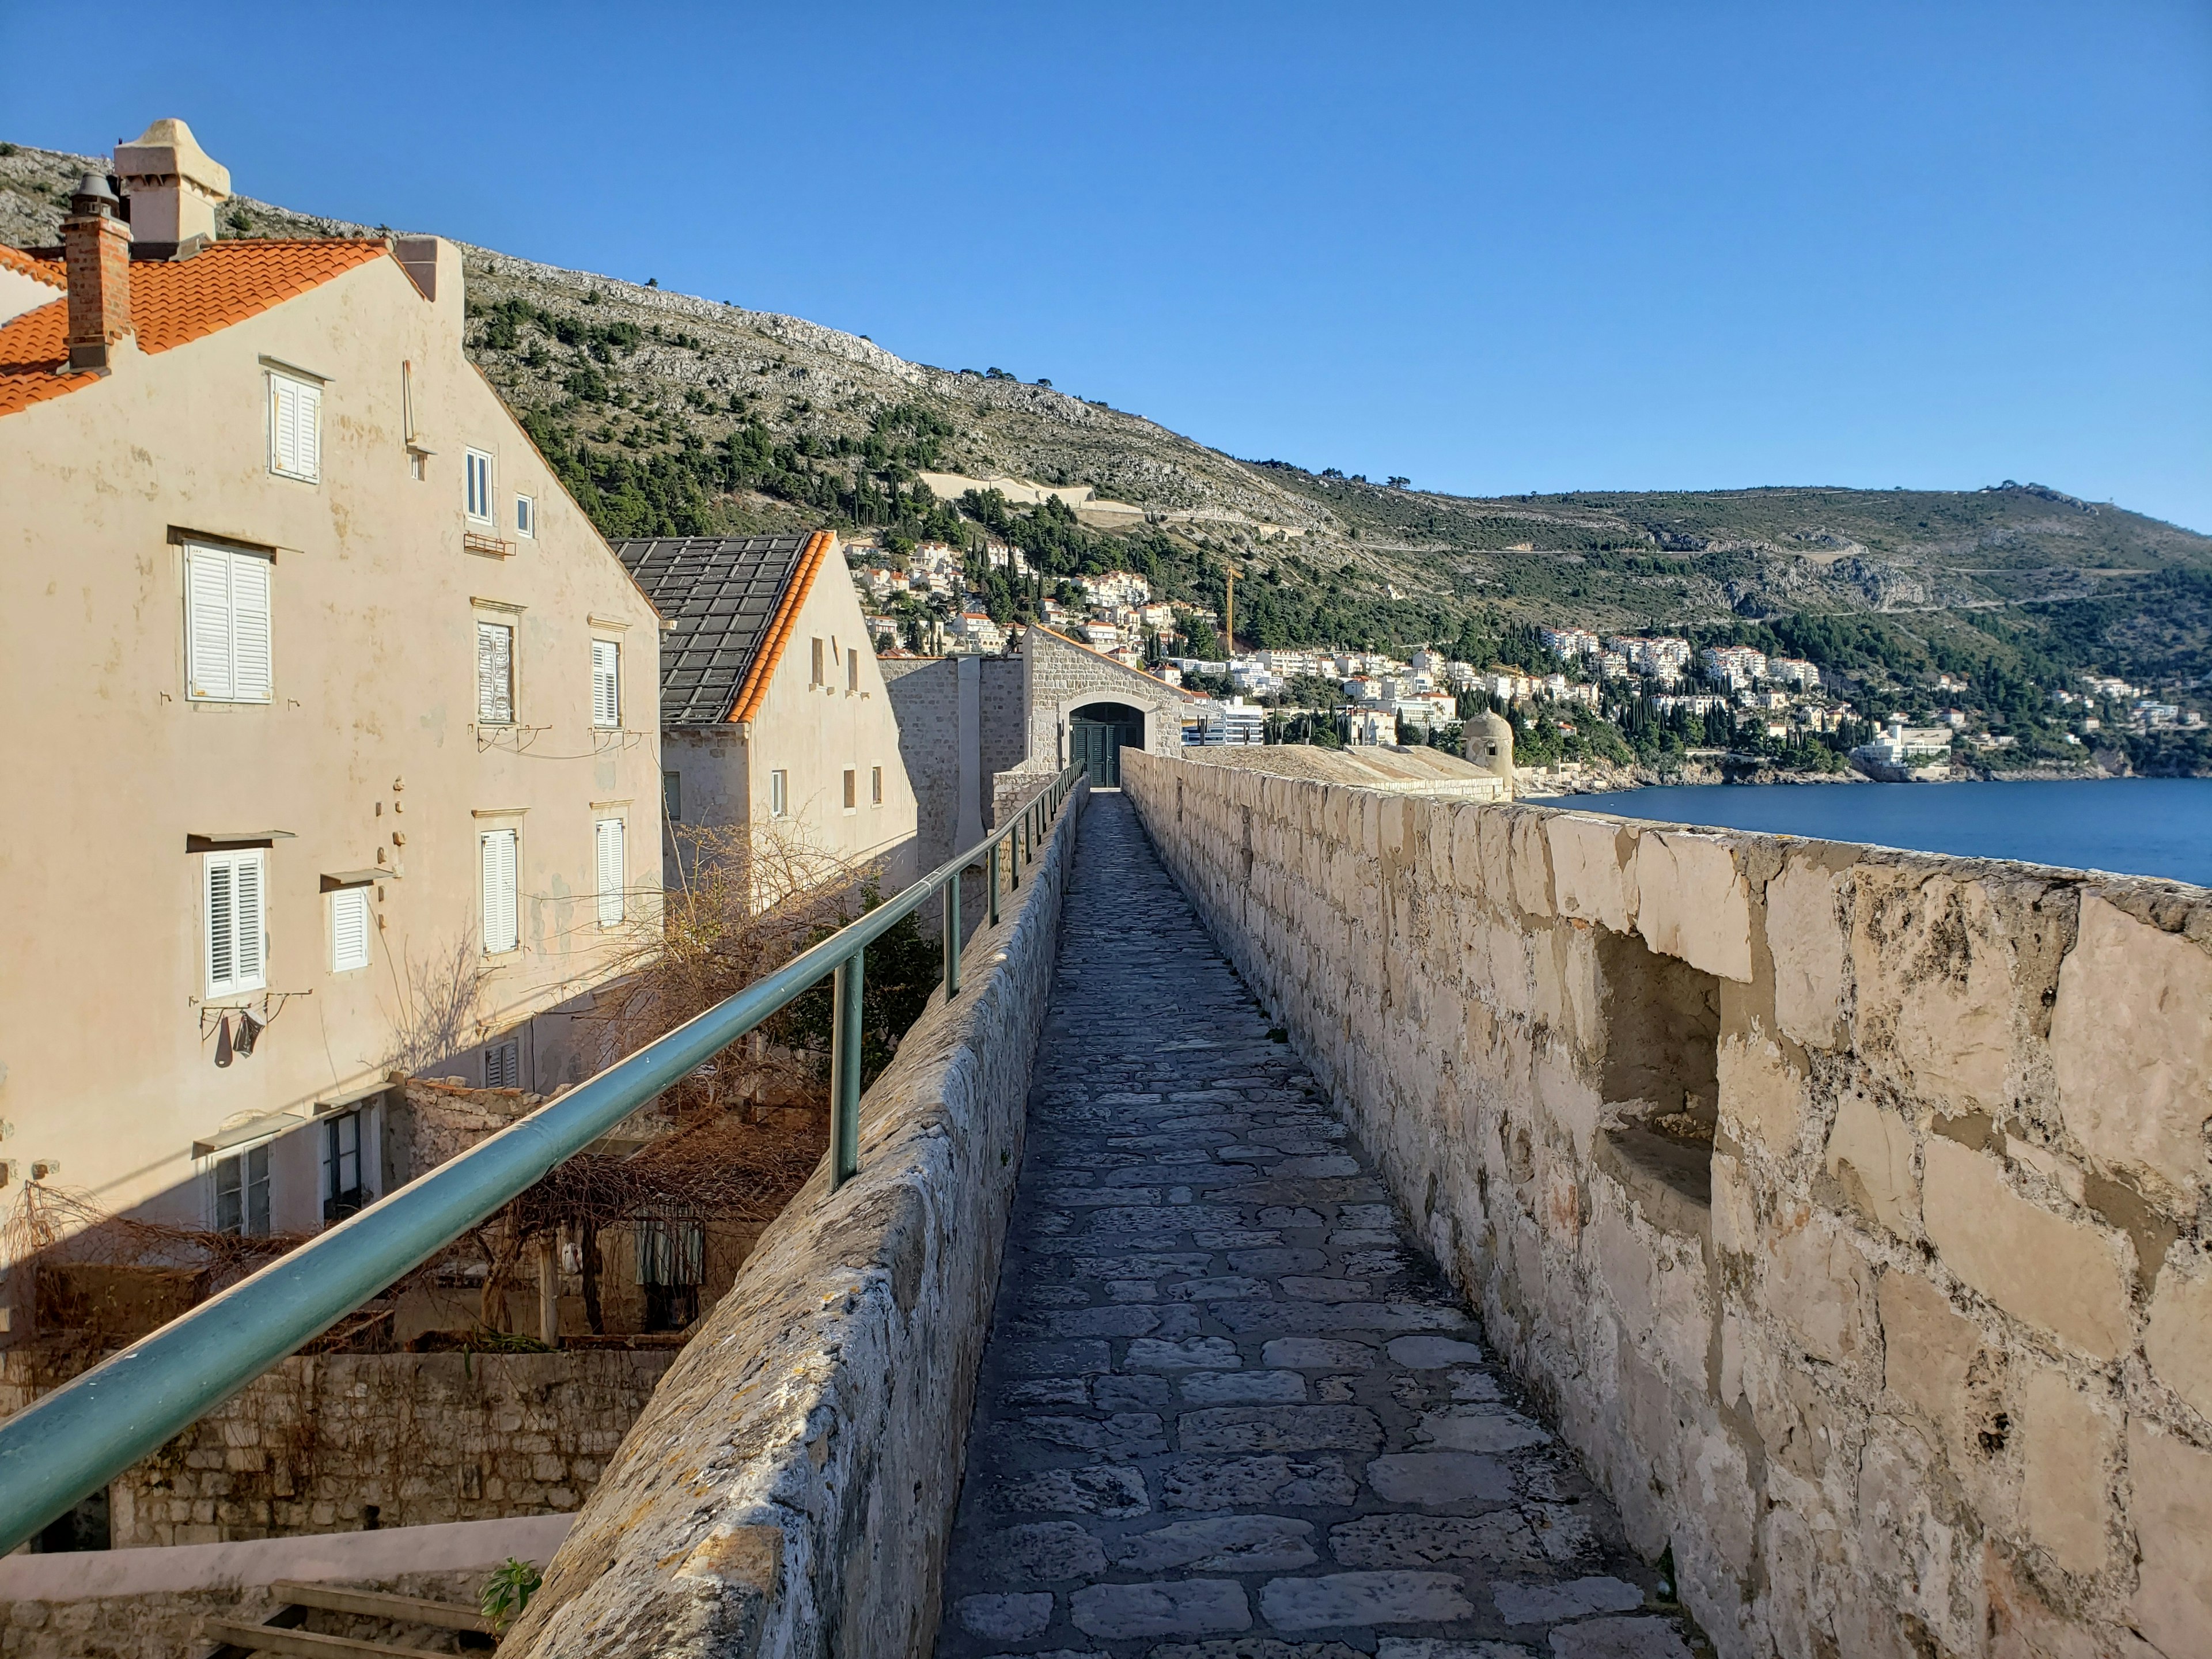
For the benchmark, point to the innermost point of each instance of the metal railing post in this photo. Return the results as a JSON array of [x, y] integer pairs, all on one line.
[[992, 876], [845, 1072], [952, 936]]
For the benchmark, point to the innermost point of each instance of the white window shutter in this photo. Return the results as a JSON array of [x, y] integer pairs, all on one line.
[[222, 928], [249, 627], [495, 673], [349, 929], [612, 869], [283, 425], [606, 683], [499, 895], [250, 937], [207, 606], [307, 431]]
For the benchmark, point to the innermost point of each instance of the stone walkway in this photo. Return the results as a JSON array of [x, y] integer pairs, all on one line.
[[1227, 1411]]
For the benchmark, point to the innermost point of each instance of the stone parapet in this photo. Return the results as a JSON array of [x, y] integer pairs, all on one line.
[[791, 1487], [1849, 1206]]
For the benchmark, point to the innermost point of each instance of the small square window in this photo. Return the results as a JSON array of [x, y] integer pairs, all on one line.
[[479, 485], [525, 516], [779, 794], [876, 786]]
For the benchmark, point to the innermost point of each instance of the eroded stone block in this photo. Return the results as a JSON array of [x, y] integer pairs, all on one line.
[[1876, 1147], [1806, 940], [1693, 903], [2178, 1340], [1587, 876]]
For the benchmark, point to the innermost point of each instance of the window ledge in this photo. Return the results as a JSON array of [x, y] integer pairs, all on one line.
[[1670, 1181]]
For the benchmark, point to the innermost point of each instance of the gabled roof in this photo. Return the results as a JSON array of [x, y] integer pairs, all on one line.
[[172, 302], [730, 604], [1092, 651]]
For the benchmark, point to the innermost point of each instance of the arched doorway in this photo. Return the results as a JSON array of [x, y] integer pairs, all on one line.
[[1097, 732]]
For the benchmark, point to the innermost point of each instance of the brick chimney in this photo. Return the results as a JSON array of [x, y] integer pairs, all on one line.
[[96, 254]]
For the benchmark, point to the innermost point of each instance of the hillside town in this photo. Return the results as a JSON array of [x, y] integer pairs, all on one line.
[[1582, 698]]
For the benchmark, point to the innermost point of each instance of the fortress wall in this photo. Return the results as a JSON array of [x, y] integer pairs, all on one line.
[[1848, 1206]]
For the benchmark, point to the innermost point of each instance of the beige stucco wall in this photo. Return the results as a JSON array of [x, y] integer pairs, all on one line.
[[369, 737], [813, 733], [1915, 1356]]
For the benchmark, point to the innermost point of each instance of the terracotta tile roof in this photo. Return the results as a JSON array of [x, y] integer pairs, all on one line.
[[732, 603], [172, 304], [48, 271]]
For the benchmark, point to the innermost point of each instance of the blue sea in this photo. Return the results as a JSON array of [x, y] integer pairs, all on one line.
[[2131, 826]]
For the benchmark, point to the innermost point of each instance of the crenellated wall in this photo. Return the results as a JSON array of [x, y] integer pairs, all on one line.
[[1849, 1206]]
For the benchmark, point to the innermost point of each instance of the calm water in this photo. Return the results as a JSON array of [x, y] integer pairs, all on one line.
[[2135, 826]]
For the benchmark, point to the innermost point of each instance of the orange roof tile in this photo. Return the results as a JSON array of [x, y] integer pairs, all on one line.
[[754, 692], [172, 304], [48, 271]]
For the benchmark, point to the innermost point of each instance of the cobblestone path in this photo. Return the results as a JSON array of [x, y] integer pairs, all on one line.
[[1227, 1411]]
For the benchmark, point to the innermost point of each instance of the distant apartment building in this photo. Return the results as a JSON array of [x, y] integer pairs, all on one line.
[[1230, 721], [1115, 587], [1570, 643], [1793, 671], [1366, 728], [335, 721], [973, 630], [1901, 746], [1663, 657], [1735, 667], [774, 718]]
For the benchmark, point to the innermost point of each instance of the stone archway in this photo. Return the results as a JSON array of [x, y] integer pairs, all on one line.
[[1097, 734]]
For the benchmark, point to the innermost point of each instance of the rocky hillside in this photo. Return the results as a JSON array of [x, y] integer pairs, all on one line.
[[669, 413]]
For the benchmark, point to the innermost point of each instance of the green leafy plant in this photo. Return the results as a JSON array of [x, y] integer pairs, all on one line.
[[507, 1589]]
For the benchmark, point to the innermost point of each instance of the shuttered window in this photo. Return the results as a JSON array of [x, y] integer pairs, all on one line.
[[606, 683], [495, 674], [503, 1065], [500, 914], [349, 929], [607, 846], [852, 789], [236, 928], [295, 429], [227, 643], [478, 468], [821, 674]]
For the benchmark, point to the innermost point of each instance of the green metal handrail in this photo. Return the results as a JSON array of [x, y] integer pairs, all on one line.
[[76, 1439]]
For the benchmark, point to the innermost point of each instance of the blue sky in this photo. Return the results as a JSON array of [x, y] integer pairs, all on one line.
[[1494, 249]]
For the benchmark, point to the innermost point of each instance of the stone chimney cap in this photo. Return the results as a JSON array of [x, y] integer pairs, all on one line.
[[92, 195], [166, 149]]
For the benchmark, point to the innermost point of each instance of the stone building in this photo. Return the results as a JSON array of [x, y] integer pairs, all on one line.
[[335, 709], [981, 733], [775, 712]]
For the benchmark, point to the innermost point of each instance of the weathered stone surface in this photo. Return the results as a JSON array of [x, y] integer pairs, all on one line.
[[1194, 1353], [1363, 1598], [1478, 1430], [1806, 940], [2172, 1604], [1222, 1483], [1618, 1638], [1242, 1388], [2178, 1341], [1434, 1353], [1238, 1543], [1280, 1428], [2064, 1276], [1502, 1538], [1117, 1493], [2133, 1046], [1048, 1550], [1441, 1477], [1006, 1618], [1692, 902], [1875, 1148], [867, 1307], [1818, 1454], [2067, 1446], [1181, 1607], [1541, 1604]]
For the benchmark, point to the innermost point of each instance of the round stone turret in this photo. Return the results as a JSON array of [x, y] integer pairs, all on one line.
[[1489, 744]]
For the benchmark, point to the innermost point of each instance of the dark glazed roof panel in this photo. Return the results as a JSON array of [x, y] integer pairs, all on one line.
[[719, 594]]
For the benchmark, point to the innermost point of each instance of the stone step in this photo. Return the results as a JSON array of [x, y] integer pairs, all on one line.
[[378, 1604]]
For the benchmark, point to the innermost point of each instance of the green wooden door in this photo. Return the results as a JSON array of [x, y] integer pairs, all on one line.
[[1095, 736]]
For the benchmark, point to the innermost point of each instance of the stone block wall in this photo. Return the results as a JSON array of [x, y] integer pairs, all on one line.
[[925, 694], [318, 1442], [1849, 1206], [791, 1489]]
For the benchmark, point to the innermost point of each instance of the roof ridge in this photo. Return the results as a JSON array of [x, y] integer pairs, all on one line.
[[754, 691]]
